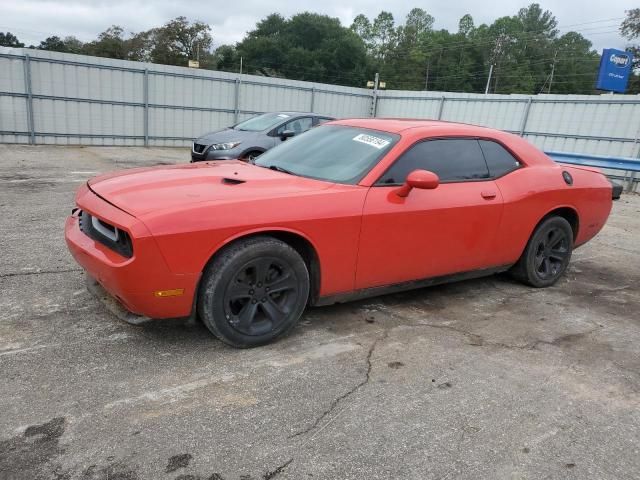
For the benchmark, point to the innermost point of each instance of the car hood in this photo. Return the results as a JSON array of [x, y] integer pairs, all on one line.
[[163, 189], [227, 135]]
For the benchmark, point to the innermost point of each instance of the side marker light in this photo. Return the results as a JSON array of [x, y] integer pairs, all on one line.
[[176, 292]]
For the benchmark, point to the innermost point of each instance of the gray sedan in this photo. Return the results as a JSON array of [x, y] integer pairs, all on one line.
[[250, 138]]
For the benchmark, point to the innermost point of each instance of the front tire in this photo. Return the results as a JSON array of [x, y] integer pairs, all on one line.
[[251, 156], [253, 292], [547, 254]]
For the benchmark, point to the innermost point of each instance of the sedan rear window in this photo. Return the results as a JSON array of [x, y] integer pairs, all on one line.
[[334, 153]]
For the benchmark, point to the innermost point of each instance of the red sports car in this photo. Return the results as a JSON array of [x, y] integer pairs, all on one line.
[[350, 209]]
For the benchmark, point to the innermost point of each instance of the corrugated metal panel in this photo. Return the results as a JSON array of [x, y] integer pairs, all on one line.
[[11, 75], [262, 98], [190, 92], [341, 106], [76, 81], [98, 101], [171, 123], [13, 114]]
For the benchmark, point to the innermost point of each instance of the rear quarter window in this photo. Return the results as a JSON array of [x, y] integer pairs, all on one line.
[[499, 160]]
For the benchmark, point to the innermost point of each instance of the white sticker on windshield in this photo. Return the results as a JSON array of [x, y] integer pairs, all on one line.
[[283, 115], [371, 140]]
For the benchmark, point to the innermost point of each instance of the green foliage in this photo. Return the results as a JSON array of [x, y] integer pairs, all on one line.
[[111, 44], [178, 41], [524, 49], [57, 44], [307, 46], [10, 40], [630, 28]]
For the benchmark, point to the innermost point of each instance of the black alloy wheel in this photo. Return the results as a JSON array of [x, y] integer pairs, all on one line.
[[261, 296], [253, 291], [547, 254], [551, 252]]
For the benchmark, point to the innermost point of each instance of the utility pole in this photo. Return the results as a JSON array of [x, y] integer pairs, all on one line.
[[553, 69], [494, 58], [426, 80], [240, 65], [486, 89], [375, 84]]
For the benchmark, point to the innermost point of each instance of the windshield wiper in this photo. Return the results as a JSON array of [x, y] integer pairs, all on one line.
[[280, 169]]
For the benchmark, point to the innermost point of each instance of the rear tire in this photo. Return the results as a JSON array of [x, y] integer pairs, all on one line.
[[253, 292], [547, 255]]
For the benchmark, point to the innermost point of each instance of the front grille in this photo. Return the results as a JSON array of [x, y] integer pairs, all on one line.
[[199, 148], [111, 237]]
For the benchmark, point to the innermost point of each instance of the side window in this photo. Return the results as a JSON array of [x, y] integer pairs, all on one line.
[[298, 125], [499, 160], [453, 160]]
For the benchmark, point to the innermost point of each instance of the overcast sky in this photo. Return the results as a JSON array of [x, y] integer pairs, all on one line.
[[33, 20]]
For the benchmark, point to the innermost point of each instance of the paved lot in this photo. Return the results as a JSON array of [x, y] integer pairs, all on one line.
[[480, 379]]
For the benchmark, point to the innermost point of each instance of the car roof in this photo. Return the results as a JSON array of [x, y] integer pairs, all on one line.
[[398, 125], [303, 114]]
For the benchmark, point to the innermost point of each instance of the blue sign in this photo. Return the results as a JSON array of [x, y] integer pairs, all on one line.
[[615, 69]]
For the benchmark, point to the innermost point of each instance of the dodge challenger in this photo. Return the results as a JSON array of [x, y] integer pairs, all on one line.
[[351, 209]]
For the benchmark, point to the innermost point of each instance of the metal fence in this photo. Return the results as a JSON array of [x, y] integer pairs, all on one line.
[[55, 98]]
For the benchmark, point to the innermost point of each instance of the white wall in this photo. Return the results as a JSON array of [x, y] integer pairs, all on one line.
[[88, 100]]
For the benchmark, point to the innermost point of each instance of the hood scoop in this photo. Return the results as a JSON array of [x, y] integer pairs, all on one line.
[[232, 181]]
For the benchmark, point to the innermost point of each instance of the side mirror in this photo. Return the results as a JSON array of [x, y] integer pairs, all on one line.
[[423, 179], [287, 134]]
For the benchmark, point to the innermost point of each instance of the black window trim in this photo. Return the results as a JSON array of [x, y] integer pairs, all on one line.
[[273, 133], [377, 183]]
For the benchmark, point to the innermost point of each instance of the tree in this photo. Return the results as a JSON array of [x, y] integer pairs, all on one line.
[[110, 43], [363, 28], [383, 34], [57, 44], [576, 65], [307, 46], [465, 25], [54, 44], [226, 58], [630, 28], [536, 21], [522, 50], [179, 40], [418, 22], [10, 40]]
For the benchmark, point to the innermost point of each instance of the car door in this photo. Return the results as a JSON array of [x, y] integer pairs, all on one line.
[[298, 125], [429, 233]]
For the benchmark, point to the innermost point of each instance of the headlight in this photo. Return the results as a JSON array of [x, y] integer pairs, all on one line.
[[224, 146]]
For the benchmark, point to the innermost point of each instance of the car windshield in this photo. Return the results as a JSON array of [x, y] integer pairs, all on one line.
[[333, 153], [262, 122]]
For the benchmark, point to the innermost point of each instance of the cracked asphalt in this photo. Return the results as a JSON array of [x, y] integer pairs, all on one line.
[[484, 379]]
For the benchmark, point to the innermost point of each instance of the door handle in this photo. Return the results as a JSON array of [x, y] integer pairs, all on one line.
[[488, 194]]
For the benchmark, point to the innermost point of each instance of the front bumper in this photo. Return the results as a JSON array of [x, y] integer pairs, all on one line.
[[209, 155], [214, 155], [134, 281]]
